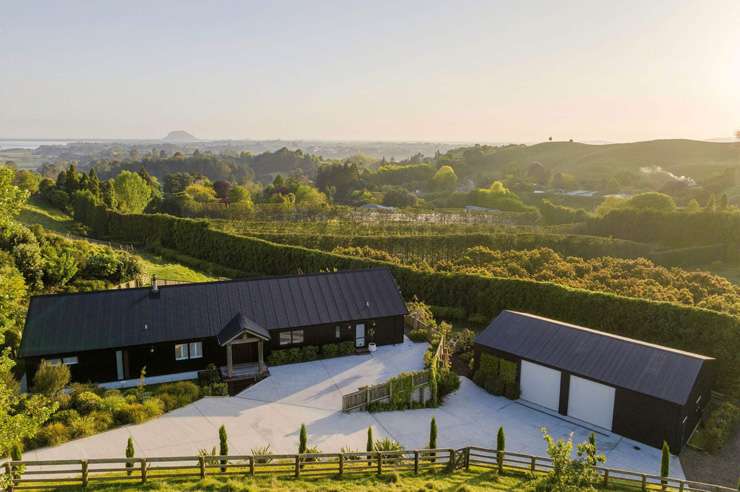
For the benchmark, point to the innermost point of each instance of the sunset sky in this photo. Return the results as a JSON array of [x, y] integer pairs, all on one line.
[[489, 71]]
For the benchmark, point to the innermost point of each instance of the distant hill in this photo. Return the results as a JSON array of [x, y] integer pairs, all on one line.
[[179, 136], [696, 159]]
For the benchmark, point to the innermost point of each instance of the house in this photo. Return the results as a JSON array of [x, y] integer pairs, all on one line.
[[111, 335], [642, 391]]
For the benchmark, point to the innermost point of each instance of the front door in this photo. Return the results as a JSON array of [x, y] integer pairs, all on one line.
[[244, 352], [360, 335]]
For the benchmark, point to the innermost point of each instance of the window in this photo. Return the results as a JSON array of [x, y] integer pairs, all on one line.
[[72, 360], [181, 351], [196, 350], [338, 332], [284, 338], [53, 362], [291, 337]]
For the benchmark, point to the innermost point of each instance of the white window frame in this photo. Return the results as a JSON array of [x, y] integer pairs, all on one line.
[[196, 350], [180, 347], [71, 360], [293, 336], [53, 362], [338, 332]]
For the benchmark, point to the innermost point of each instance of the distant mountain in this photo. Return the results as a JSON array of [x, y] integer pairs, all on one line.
[[179, 136]]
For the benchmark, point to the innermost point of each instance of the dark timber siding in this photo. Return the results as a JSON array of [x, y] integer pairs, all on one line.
[[100, 365], [637, 416]]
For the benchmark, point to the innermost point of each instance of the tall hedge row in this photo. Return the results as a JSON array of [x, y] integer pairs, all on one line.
[[444, 246], [672, 229], [698, 330]]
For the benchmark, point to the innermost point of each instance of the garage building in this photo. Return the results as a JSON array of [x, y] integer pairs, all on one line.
[[642, 391]]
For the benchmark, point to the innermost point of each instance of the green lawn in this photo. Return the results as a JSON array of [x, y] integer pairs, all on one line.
[[38, 212], [470, 481]]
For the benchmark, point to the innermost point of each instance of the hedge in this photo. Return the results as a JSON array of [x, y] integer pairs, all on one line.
[[688, 328]]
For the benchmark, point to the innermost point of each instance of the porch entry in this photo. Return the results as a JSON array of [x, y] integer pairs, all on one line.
[[244, 342], [360, 335]]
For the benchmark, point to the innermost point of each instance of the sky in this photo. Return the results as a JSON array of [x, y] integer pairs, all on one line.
[[458, 71]]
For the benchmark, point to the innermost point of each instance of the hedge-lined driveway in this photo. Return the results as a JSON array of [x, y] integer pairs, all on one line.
[[272, 411]]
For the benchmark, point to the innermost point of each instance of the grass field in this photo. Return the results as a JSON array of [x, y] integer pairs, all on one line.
[[470, 481], [38, 212]]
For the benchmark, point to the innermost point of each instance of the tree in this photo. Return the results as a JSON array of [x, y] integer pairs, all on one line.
[[223, 446], [711, 205], [500, 448], [399, 197], [222, 188], [177, 182], [12, 197], [27, 180], [50, 379], [132, 192], [665, 463], [369, 446], [302, 440], [445, 179], [722, 202], [652, 200], [239, 194], [693, 206], [568, 473], [200, 193], [21, 416], [309, 198], [433, 436], [129, 454]]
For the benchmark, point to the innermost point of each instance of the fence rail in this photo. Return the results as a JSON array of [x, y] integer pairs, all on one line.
[[360, 399], [52, 474]]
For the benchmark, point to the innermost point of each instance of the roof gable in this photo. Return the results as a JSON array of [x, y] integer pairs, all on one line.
[[654, 370], [67, 323], [238, 326]]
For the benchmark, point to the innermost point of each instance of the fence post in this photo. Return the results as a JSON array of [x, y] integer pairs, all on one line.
[[451, 462], [84, 474], [251, 465], [297, 465], [202, 464], [367, 396], [467, 459], [606, 478], [143, 470], [680, 486], [380, 463], [644, 482], [341, 464], [416, 461]]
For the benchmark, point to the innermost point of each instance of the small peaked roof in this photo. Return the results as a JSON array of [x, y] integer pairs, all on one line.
[[239, 325], [654, 370], [70, 323]]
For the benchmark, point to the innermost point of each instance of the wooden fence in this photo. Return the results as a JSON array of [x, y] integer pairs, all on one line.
[[137, 282], [60, 473], [360, 399]]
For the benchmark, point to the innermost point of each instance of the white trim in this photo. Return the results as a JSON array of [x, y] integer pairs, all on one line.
[[71, 360], [166, 378], [179, 356], [198, 353]]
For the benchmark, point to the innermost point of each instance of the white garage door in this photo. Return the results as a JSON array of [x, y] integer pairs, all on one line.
[[591, 402], [540, 385]]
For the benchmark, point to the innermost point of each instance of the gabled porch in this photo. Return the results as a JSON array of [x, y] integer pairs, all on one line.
[[244, 341]]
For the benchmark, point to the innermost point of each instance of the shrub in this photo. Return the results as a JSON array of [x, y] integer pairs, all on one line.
[[65, 416], [223, 446], [131, 413], [329, 350], [51, 379], [153, 407], [51, 435], [309, 353], [347, 348], [387, 444], [262, 455], [129, 454], [215, 389], [82, 426], [175, 395], [720, 425], [500, 448], [295, 354], [103, 420], [447, 382], [418, 335], [278, 357], [87, 402], [113, 402]]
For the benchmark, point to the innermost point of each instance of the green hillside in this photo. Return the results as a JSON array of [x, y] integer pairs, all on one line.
[[696, 159]]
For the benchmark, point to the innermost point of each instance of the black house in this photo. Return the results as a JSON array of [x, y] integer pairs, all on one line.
[[642, 391], [111, 335]]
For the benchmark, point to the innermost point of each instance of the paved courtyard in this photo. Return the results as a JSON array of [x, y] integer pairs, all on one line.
[[272, 411]]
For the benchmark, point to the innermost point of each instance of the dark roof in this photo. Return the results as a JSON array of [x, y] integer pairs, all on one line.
[[238, 325], [653, 370], [66, 323]]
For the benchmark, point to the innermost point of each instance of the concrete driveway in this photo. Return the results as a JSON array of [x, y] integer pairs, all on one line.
[[272, 411]]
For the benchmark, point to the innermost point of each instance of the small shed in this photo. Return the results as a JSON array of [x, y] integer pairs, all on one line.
[[640, 390]]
